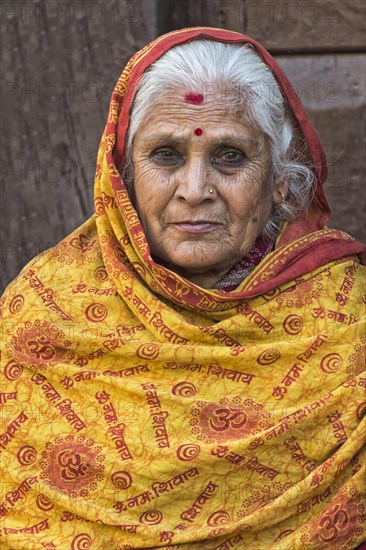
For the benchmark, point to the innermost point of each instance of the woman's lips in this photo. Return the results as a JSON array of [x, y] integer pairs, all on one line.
[[196, 227]]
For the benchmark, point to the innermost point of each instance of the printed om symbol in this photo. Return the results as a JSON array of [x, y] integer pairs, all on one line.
[[335, 521], [72, 465], [224, 419], [82, 243], [40, 348]]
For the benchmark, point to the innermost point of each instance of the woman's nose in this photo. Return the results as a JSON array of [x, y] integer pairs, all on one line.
[[193, 182]]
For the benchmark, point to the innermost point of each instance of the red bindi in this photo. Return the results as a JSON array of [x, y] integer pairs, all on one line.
[[194, 98], [198, 132]]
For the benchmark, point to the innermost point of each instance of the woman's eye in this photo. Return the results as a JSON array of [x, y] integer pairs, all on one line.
[[232, 158], [229, 159], [165, 156]]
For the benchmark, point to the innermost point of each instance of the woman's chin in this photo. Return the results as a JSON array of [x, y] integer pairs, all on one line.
[[196, 264], [190, 258]]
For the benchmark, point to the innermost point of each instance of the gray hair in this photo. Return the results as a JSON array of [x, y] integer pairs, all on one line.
[[207, 66]]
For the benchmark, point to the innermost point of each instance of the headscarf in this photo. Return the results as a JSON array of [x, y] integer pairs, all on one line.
[[142, 411]]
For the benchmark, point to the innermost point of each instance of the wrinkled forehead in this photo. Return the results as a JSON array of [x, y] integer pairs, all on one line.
[[213, 107], [232, 96]]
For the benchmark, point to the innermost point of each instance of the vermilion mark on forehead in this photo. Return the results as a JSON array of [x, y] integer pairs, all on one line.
[[194, 98], [198, 132]]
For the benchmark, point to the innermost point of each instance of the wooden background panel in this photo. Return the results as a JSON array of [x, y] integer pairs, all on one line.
[[313, 25], [173, 14], [332, 89], [282, 26], [59, 70]]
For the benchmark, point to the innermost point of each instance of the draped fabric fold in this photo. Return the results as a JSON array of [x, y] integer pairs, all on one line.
[[142, 411]]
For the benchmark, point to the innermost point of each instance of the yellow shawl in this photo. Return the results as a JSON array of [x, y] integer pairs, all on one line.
[[141, 411]]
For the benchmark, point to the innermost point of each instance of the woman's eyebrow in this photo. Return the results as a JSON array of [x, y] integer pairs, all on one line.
[[228, 140], [168, 139]]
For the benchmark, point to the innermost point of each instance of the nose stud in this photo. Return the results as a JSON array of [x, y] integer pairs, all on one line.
[[210, 191]]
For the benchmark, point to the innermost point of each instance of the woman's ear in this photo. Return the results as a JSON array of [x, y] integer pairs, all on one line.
[[280, 192]]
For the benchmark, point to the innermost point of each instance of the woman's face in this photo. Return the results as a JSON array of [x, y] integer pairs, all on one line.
[[199, 234]]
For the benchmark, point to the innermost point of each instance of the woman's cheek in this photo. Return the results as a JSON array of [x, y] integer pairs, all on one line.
[[150, 198], [144, 173], [145, 185], [149, 177]]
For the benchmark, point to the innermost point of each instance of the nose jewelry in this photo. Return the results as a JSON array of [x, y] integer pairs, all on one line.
[[210, 191]]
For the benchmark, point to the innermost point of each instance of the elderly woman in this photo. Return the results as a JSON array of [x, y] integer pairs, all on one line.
[[185, 369]]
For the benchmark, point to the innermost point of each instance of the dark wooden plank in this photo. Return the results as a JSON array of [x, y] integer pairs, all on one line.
[[283, 26], [301, 25], [59, 69], [177, 14]]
